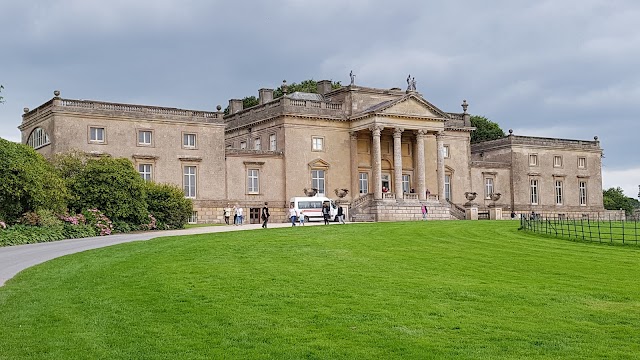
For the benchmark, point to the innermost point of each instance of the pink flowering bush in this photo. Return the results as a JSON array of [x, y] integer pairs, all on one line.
[[77, 219], [99, 220], [2, 225], [151, 225]]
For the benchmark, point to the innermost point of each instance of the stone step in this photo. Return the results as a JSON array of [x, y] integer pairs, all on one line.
[[363, 218]]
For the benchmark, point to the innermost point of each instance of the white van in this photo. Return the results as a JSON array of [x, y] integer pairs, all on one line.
[[312, 207]]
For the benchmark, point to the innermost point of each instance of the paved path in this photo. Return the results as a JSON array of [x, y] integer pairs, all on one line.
[[14, 259]]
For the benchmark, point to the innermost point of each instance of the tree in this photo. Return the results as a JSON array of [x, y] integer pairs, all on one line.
[[168, 204], [614, 199], [112, 186], [27, 182], [485, 129], [308, 86]]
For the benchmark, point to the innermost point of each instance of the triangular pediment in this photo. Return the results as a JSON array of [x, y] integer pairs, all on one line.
[[318, 164], [409, 105]]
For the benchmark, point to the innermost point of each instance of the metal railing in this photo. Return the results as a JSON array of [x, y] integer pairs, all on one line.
[[603, 230]]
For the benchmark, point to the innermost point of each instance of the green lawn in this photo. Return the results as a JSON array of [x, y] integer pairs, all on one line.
[[420, 290]]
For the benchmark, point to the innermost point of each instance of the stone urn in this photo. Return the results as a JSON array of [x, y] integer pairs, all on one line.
[[341, 192], [495, 197], [470, 197], [310, 192]]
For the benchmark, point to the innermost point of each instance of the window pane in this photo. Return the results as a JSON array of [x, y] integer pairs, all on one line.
[[364, 183], [406, 182], [190, 181], [317, 180], [447, 187], [272, 142]]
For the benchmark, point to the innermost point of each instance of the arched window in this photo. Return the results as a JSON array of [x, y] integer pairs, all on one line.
[[38, 138]]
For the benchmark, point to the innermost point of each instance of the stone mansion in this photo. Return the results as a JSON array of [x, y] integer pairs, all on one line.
[[390, 150]]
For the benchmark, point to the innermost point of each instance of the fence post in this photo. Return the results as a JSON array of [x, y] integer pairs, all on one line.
[[582, 228], [610, 231], [599, 236], [623, 221]]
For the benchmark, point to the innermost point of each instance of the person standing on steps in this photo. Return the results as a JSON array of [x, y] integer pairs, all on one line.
[[265, 215]]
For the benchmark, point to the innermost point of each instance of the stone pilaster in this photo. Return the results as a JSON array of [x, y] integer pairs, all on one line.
[[440, 147], [422, 188], [376, 161], [397, 161], [353, 144]]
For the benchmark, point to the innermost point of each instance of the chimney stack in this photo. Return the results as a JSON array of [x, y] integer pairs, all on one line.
[[235, 105], [265, 95], [324, 86]]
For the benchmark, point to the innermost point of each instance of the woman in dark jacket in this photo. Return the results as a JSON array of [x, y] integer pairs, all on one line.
[[326, 213]]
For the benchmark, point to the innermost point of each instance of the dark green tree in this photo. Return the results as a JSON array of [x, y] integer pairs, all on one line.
[[614, 199], [485, 129], [28, 182], [168, 204], [112, 186]]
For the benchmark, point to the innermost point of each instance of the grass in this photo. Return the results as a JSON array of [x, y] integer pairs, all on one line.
[[458, 289]]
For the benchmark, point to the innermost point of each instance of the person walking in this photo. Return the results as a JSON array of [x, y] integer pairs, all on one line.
[[265, 215], [293, 215], [326, 213], [227, 214], [425, 212], [341, 214], [301, 217], [240, 212], [235, 215]]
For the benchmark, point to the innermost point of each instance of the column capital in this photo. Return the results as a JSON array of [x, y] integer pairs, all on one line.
[[439, 135], [397, 132], [376, 129], [353, 135], [420, 132]]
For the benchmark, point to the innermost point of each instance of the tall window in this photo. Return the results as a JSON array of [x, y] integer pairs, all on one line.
[[406, 183], [488, 188], [364, 183], [533, 160], [257, 144], [189, 181], [445, 151], [583, 192], [447, 187], [144, 137], [317, 180], [38, 138], [253, 183], [273, 145], [189, 140], [145, 171], [317, 143], [96, 134], [558, 192], [534, 192], [582, 162], [557, 161]]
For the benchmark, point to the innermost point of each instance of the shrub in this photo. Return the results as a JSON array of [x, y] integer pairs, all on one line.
[[25, 234], [99, 220], [79, 231], [121, 227], [168, 205], [27, 182], [113, 186]]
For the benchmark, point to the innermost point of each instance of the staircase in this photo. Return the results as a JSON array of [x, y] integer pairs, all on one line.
[[457, 211], [360, 211]]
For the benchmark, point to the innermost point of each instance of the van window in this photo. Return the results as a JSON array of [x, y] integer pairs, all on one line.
[[309, 204]]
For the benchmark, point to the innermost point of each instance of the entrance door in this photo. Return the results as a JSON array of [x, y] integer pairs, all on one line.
[[254, 215], [386, 182]]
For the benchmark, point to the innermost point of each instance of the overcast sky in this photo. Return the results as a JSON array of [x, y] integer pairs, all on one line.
[[561, 68]]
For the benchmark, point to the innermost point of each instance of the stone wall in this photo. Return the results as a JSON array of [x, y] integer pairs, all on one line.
[[393, 211]]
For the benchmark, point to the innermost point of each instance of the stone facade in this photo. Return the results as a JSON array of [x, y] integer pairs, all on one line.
[[392, 150]]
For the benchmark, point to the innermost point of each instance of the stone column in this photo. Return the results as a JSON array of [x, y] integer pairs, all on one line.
[[422, 188], [355, 188], [440, 146], [376, 161], [397, 161]]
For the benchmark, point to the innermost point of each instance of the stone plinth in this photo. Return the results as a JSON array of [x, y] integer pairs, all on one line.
[[495, 213], [471, 212]]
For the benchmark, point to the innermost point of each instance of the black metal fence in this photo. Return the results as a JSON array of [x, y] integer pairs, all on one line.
[[625, 231]]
